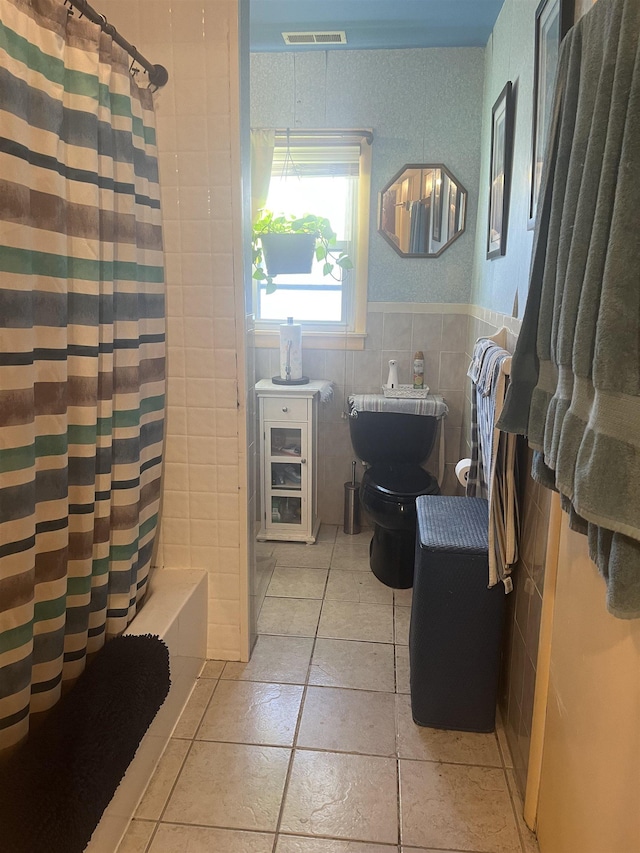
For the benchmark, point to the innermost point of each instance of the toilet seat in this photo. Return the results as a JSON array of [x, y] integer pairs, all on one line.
[[405, 481], [388, 494]]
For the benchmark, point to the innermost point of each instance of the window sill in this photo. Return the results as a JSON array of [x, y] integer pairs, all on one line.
[[270, 339]]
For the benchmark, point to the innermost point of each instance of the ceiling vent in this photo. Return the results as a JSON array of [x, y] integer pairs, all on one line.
[[328, 37]]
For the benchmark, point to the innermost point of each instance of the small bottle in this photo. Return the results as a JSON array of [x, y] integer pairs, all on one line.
[[418, 369]]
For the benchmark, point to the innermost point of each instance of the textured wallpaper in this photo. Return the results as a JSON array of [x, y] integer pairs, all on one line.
[[509, 56]]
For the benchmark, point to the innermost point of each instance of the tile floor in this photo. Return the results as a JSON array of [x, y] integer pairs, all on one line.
[[311, 748]]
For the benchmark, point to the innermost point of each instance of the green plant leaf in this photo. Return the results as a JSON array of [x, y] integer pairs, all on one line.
[[319, 226]]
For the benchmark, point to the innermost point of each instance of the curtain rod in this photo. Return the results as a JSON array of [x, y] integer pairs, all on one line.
[[338, 134], [158, 74]]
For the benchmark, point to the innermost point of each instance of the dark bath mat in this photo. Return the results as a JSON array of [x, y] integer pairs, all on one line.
[[55, 787]]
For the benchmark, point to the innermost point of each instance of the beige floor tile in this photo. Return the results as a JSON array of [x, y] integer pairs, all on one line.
[[264, 549], [283, 660], [402, 597], [402, 669], [199, 839], [362, 538], [195, 708], [264, 571], [456, 807], [212, 669], [348, 721], [401, 620], [349, 663], [327, 533], [433, 850], [507, 760], [342, 796], [162, 781], [137, 836], [296, 554], [357, 586], [528, 838], [297, 844], [297, 583], [293, 617], [349, 620], [251, 712], [351, 557], [230, 785], [430, 744]]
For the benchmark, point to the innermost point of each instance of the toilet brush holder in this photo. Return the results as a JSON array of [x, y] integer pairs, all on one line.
[[352, 504]]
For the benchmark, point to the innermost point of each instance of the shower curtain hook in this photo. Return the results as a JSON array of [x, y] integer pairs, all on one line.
[[133, 71]]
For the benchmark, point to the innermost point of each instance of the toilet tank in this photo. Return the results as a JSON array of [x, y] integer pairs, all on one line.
[[392, 437]]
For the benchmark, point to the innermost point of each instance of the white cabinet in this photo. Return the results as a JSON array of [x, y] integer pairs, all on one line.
[[289, 458]]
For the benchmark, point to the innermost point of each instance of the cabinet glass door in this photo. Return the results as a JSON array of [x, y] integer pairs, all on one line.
[[286, 503]]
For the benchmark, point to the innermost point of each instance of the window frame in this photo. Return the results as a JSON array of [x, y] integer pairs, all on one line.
[[351, 333]]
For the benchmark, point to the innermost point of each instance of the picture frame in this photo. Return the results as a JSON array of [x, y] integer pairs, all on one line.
[[553, 20], [502, 126]]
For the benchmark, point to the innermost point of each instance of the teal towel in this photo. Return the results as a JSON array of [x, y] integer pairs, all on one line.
[[575, 378]]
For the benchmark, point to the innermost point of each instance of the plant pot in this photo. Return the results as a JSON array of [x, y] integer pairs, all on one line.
[[285, 254]]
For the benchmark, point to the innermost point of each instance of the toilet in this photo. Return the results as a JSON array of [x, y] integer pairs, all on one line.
[[393, 444]]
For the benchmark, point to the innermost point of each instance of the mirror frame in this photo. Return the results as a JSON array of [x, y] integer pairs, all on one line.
[[393, 180]]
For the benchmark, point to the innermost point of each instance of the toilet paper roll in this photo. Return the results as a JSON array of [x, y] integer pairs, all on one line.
[[462, 471], [291, 350]]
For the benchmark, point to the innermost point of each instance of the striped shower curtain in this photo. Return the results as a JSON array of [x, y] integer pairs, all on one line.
[[82, 352]]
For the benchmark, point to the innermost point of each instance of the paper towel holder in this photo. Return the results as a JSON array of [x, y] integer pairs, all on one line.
[[287, 380], [278, 380]]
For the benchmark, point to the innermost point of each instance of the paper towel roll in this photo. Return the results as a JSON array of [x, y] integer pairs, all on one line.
[[462, 471], [291, 350]]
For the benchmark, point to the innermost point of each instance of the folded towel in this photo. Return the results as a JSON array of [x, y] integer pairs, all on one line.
[[432, 405], [492, 473], [486, 404], [575, 389], [479, 350]]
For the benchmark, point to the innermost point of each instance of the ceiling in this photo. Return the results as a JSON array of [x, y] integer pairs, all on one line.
[[375, 24]]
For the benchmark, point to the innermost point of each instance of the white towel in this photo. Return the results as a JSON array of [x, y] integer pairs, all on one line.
[[432, 405]]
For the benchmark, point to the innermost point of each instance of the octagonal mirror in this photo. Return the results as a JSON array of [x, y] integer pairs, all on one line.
[[422, 210]]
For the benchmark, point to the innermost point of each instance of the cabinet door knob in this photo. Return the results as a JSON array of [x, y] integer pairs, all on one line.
[[303, 461], [285, 409]]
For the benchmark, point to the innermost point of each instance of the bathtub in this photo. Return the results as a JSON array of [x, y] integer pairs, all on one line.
[[175, 610]]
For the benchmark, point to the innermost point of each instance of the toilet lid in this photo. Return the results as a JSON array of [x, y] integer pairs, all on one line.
[[402, 481]]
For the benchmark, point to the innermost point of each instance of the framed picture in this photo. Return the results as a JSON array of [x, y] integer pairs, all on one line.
[[553, 20], [500, 176]]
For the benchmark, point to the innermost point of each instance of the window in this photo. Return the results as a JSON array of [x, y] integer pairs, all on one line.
[[329, 178]]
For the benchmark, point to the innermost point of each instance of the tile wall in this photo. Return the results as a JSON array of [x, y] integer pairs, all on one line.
[[394, 330], [205, 483], [524, 604]]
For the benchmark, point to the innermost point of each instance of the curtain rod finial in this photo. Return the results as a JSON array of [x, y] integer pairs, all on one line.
[[158, 76]]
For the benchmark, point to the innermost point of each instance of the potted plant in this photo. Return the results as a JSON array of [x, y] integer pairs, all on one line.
[[287, 244]]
